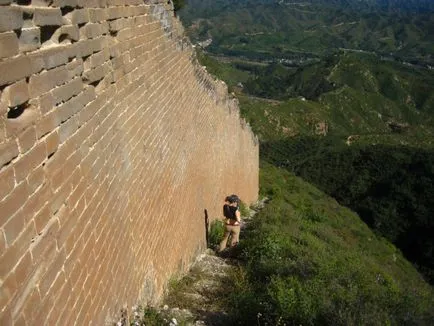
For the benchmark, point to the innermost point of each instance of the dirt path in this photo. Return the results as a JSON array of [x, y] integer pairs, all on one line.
[[199, 297]]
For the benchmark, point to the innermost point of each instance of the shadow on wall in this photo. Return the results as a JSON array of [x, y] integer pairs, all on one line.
[[206, 227]]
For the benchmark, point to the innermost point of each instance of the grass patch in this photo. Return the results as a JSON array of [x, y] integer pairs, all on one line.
[[307, 261]]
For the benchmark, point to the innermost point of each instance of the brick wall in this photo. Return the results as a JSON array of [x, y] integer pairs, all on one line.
[[113, 142]]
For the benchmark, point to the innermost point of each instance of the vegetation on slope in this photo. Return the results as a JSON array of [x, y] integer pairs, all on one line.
[[332, 75], [390, 187], [371, 102], [310, 261]]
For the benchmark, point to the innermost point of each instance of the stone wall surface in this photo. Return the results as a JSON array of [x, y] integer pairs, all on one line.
[[113, 143]]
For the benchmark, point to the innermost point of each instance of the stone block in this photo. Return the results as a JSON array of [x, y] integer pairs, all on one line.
[[16, 94], [14, 69], [10, 18], [97, 59], [65, 3], [47, 17], [27, 163], [51, 57], [92, 3], [8, 44], [65, 92], [13, 202], [66, 34], [27, 139], [52, 143], [30, 39], [7, 181], [78, 16], [98, 15], [93, 30], [8, 151], [45, 81], [75, 68], [41, 3]]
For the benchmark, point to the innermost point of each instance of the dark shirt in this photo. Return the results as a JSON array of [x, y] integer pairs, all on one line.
[[229, 211]]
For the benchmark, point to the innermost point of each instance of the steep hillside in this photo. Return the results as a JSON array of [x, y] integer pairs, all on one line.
[[369, 113]]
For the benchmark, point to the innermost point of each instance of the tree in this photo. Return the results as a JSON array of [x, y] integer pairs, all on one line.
[[178, 4]]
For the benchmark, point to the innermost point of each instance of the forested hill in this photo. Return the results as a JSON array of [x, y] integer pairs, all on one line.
[[267, 29]]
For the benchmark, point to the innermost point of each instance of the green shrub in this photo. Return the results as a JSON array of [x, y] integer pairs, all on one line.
[[178, 4], [216, 232], [244, 209], [148, 316]]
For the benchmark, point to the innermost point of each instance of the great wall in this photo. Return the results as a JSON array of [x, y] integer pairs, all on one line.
[[114, 145]]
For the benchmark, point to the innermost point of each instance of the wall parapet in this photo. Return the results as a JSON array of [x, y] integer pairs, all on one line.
[[114, 142]]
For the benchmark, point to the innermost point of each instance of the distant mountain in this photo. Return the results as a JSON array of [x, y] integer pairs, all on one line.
[[266, 29]]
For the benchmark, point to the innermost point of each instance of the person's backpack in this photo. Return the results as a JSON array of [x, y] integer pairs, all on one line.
[[227, 211]]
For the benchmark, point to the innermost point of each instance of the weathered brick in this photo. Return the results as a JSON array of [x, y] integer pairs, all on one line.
[[31, 304], [44, 246], [47, 124], [75, 68], [53, 270], [14, 69], [24, 269], [16, 93], [79, 16], [42, 217], [97, 73], [52, 142], [67, 129], [30, 39], [46, 103], [36, 179], [61, 299], [5, 315], [51, 57], [8, 151], [7, 181], [24, 120], [14, 253], [7, 290], [30, 161], [14, 226], [8, 44], [97, 59], [27, 139], [93, 30], [65, 92], [36, 202], [47, 17], [11, 204], [66, 33], [10, 18], [2, 242], [47, 80]]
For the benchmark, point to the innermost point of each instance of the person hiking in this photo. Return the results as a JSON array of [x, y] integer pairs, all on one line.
[[232, 216]]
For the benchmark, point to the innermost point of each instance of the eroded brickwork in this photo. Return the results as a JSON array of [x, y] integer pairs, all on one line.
[[113, 143]]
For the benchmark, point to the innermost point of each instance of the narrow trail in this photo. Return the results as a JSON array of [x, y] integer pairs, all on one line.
[[197, 298]]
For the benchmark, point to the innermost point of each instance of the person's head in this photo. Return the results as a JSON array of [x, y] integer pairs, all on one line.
[[233, 200]]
